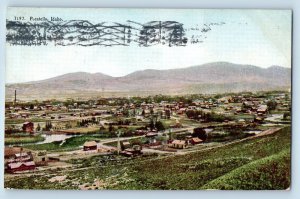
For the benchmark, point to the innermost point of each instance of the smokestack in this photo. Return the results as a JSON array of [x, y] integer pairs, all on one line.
[[15, 97]]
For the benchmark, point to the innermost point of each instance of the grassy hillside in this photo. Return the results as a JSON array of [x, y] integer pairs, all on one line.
[[269, 173], [194, 170], [259, 163]]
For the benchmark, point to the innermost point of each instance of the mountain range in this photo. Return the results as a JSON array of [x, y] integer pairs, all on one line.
[[218, 77]]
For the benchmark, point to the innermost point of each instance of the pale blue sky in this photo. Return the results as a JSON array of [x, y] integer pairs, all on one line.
[[257, 37]]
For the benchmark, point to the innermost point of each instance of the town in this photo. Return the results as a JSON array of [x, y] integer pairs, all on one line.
[[42, 136]]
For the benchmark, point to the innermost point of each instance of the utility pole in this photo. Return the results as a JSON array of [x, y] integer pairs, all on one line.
[[119, 144], [15, 101]]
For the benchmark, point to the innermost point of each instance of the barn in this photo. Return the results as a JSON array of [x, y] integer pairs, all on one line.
[[20, 166], [179, 144], [28, 127]]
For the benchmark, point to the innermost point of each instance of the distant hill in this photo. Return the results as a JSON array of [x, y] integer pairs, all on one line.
[[218, 77]]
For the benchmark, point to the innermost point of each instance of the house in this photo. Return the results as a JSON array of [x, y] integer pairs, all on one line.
[[151, 137], [135, 150], [258, 120], [23, 156], [14, 115], [182, 111], [248, 104], [20, 166], [225, 100], [126, 145], [262, 109], [48, 107], [178, 144], [28, 127], [90, 145], [17, 155], [195, 140]]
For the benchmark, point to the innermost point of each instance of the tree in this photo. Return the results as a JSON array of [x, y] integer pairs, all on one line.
[[193, 114], [151, 111], [160, 114], [161, 138], [68, 126], [126, 112], [200, 133], [48, 126], [31, 107], [171, 135], [151, 125], [168, 113], [110, 128], [160, 126], [101, 129], [38, 128], [134, 112], [271, 105], [286, 115]]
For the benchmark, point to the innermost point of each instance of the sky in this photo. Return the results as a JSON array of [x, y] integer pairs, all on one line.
[[256, 37]]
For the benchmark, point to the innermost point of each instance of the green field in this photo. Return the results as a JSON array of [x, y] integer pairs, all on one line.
[[72, 143], [258, 163], [20, 121], [23, 138], [266, 173]]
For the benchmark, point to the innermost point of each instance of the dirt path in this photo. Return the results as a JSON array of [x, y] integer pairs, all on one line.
[[264, 133]]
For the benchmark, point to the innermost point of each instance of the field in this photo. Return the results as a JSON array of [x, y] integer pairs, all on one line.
[[258, 163], [72, 143], [23, 138], [86, 130]]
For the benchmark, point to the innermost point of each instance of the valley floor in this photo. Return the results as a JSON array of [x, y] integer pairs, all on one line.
[[260, 162]]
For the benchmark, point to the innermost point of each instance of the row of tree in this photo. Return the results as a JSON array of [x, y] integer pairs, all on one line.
[[85, 122], [206, 116]]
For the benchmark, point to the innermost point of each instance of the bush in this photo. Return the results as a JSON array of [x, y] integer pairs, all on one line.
[[200, 133]]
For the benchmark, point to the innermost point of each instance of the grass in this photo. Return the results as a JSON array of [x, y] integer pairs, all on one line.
[[258, 163], [172, 172], [225, 135], [244, 116], [270, 173], [81, 130], [19, 121], [130, 140], [23, 139], [168, 122]]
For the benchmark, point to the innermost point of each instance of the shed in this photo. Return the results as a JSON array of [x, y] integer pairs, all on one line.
[[126, 144], [178, 144], [90, 145], [196, 140]]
